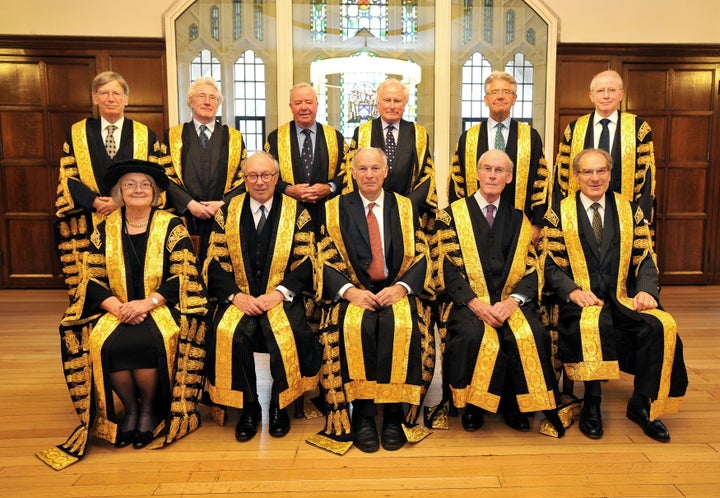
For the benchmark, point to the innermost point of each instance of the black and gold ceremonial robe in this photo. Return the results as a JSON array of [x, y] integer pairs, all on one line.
[[385, 355], [476, 261], [86, 332], [413, 172], [528, 190], [633, 154], [592, 345], [232, 266], [330, 149], [82, 169]]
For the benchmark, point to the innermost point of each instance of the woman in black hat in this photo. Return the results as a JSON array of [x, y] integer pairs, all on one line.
[[136, 324]]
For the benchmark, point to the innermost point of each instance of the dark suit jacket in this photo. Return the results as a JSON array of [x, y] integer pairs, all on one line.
[[356, 239]]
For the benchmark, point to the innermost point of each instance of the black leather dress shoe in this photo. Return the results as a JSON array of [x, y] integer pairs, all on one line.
[[517, 420], [590, 418], [279, 422], [365, 435], [392, 436], [142, 439], [472, 418], [247, 425], [124, 438], [655, 429]]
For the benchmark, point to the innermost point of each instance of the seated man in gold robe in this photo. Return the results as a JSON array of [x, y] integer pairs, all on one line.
[[495, 344], [599, 261], [373, 273], [260, 262]]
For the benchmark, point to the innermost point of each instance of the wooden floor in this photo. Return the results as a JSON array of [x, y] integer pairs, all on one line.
[[495, 461]]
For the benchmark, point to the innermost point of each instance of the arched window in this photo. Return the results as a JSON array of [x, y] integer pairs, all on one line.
[[318, 20], [488, 12], [215, 22], [409, 21], [509, 27], [205, 64], [249, 103], [237, 19], [474, 72], [522, 69]]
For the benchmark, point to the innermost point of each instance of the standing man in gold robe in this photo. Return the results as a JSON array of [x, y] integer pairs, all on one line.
[[91, 145]]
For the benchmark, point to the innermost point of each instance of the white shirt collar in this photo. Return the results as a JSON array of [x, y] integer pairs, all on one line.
[[210, 126], [104, 123], [378, 202], [492, 123], [385, 124], [612, 117], [255, 206], [482, 202], [299, 129], [587, 202]]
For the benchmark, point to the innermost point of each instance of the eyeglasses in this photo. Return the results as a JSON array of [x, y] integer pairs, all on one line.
[[504, 93], [490, 170], [254, 177], [602, 91], [131, 186], [591, 172], [104, 94], [205, 96]]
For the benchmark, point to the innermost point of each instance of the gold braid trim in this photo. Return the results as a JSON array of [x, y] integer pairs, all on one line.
[[175, 145], [471, 158], [236, 154], [233, 242], [578, 144], [285, 154], [628, 154], [522, 165], [333, 150]]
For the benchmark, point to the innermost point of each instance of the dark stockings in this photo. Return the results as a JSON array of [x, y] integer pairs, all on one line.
[[137, 390]]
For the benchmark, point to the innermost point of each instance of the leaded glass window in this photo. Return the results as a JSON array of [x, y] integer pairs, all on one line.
[[474, 72], [249, 102], [237, 19], [318, 20], [409, 21], [205, 64], [467, 21], [259, 20], [488, 21], [193, 32], [509, 27], [215, 22], [522, 69], [370, 15]]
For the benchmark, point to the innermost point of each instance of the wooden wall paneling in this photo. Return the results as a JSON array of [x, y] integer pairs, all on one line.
[[44, 89]]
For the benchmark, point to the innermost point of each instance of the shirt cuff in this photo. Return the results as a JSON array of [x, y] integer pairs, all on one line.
[[287, 293], [522, 297], [343, 290], [407, 288]]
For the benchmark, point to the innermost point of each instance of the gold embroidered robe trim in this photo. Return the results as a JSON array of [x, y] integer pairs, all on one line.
[[538, 396], [285, 152], [522, 162], [235, 156], [593, 366], [222, 392]]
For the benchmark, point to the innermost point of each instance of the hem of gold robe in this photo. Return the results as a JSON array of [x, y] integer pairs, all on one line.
[[474, 396], [383, 393], [592, 370]]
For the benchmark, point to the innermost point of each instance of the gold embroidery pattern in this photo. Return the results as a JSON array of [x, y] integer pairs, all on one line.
[[522, 165], [285, 154], [236, 154], [333, 150], [232, 243], [352, 335], [628, 155]]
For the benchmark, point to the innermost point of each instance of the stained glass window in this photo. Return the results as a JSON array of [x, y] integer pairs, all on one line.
[[237, 19], [318, 20], [509, 26], [522, 69], [215, 23], [409, 21], [249, 102], [488, 21], [474, 72], [467, 21], [364, 14]]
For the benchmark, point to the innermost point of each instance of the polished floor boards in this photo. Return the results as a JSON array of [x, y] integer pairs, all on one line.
[[36, 413]]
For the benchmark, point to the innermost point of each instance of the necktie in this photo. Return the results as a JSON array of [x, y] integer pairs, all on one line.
[[262, 220], [490, 214], [390, 146], [203, 136], [499, 138], [597, 223], [110, 145], [376, 270], [306, 155], [604, 142]]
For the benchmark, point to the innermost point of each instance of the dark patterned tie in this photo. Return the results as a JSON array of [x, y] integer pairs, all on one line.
[[597, 223], [489, 214], [110, 145], [376, 270], [204, 139], [390, 146], [262, 220], [499, 138], [307, 154], [604, 142]]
